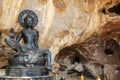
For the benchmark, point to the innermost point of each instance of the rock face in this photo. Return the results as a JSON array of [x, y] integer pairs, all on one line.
[[86, 27]]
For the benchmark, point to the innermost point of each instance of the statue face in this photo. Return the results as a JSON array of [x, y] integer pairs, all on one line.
[[29, 22]]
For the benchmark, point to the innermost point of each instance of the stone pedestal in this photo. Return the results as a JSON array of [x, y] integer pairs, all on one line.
[[18, 71], [26, 73], [49, 77]]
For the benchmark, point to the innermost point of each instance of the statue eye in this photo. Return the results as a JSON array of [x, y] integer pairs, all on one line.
[[29, 19]]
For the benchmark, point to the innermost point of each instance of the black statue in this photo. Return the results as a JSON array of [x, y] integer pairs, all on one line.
[[28, 54]]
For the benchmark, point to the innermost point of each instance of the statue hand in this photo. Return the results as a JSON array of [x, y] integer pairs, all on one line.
[[18, 53], [11, 34]]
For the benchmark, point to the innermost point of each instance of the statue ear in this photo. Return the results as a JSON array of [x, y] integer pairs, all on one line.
[[11, 34]]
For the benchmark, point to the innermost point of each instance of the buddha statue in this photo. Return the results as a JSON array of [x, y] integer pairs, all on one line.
[[28, 54]]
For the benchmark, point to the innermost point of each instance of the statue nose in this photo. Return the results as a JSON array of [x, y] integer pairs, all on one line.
[[29, 22]]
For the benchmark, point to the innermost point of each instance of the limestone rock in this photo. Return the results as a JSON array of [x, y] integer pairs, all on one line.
[[74, 30]]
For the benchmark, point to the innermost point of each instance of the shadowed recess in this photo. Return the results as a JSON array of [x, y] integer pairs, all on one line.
[[115, 9]]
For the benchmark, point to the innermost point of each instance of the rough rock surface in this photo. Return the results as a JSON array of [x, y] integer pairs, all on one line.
[[75, 30]]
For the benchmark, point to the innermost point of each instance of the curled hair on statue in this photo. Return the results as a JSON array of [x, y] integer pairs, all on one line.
[[28, 16]]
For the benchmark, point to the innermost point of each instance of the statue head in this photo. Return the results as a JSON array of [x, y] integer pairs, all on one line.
[[28, 21]]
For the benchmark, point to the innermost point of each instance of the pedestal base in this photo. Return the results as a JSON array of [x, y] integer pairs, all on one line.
[[49, 77], [26, 71]]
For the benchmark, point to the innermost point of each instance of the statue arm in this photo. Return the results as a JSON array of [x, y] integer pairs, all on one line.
[[19, 36], [36, 39]]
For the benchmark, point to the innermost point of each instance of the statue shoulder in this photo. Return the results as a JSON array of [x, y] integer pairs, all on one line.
[[23, 30], [36, 31]]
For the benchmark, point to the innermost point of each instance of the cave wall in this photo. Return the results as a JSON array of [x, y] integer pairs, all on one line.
[[61, 22], [96, 56], [80, 27]]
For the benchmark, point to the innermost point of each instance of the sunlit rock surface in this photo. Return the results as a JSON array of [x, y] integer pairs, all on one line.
[[89, 24]]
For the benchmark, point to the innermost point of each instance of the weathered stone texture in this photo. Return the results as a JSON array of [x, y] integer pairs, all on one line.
[[63, 23]]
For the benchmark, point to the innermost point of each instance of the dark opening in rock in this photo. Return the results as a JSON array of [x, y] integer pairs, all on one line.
[[108, 52], [69, 55], [75, 59], [115, 9], [103, 10], [118, 69]]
